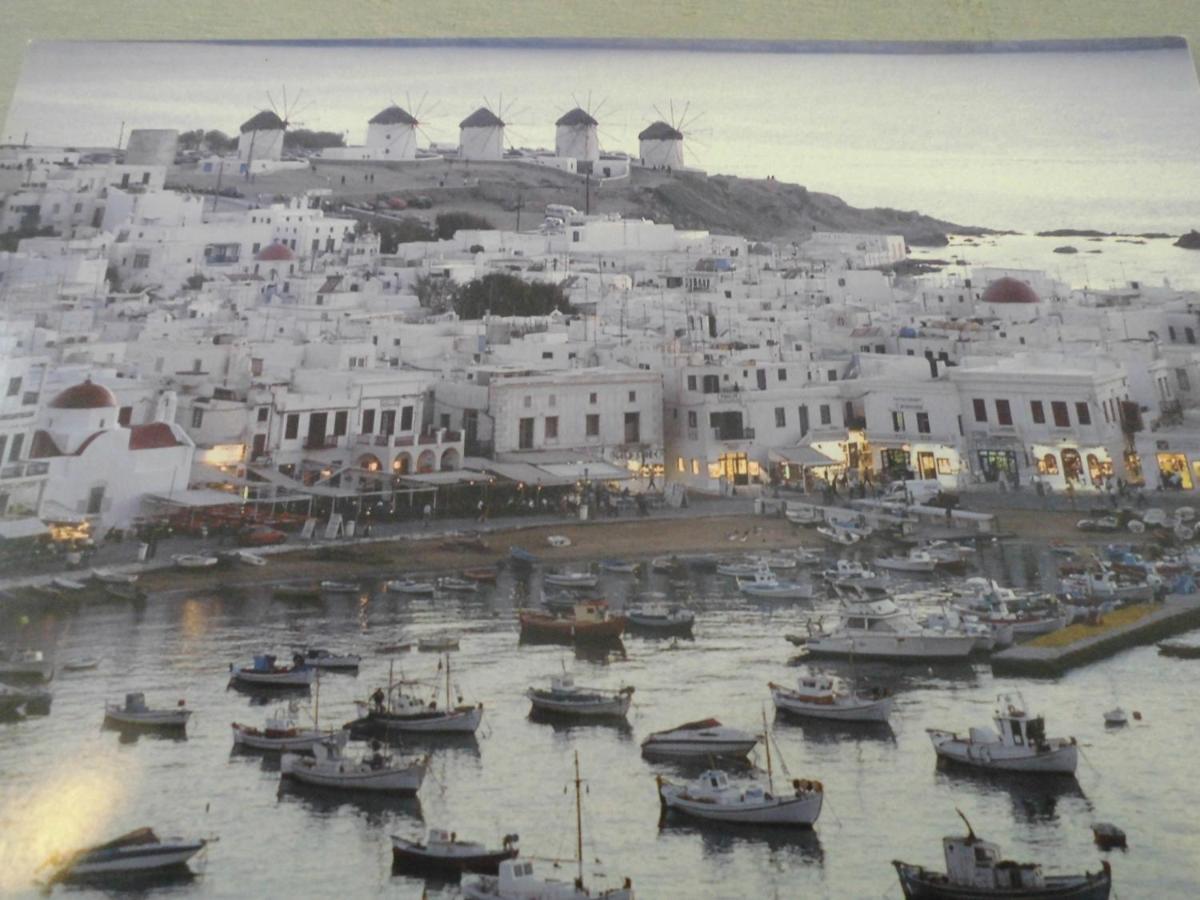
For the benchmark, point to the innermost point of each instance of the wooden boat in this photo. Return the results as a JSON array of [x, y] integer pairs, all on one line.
[[330, 767], [281, 733], [825, 697], [81, 665], [443, 854], [31, 701], [568, 700], [110, 576], [975, 871], [135, 714], [1020, 746], [395, 711], [264, 673], [590, 621], [437, 643], [139, 852], [319, 658]]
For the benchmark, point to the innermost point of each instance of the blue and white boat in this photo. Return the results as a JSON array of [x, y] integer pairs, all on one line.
[[139, 852], [522, 558]]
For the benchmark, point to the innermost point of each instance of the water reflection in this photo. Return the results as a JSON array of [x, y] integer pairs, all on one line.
[[724, 839], [1034, 798], [824, 731], [376, 809]]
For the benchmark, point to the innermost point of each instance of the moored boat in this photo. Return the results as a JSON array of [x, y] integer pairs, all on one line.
[[458, 585], [410, 586], [437, 643], [320, 658], [482, 575], [330, 767], [1021, 744], [341, 588], [618, 566], [715, 797], [826, 697], [139, 852], [26, 665], [521, 558], [135, 714], [194, 561], [296, 592], [1179, 649], [660, 618], [282, 732], [264, 673], [699, 740], [916, 561], [878, 629], [765, 586], [572, 580], [566, 699], [589, 621], [443, 854], [396, 711]]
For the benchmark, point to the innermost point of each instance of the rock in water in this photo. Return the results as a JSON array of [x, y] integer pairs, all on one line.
[[1189, 241], [1065, 249]]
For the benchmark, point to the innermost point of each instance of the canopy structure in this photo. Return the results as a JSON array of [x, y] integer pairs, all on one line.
[[279, 480], [443, 479], [16, 529], [195, 498], [589, 470], [520, 472], [803, 456]]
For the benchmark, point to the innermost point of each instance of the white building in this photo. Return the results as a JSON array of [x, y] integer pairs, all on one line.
[[481, 136], [392, 134], [261, 139], [660, 146], [575, 136]]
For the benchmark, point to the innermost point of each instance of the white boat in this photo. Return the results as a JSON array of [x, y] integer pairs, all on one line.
[[393, 710], [458, 585], [741, 568], [264, 673], [618, 566], [764, 585], [409, 586], [839, 534], [27, 665], [444, 854], [282, 732], [576, 580], [988, 636], [1020, 746], [109, 576], [340, 587], [565, 698], [806, 557], [775, 560], [715, 798], [135, 714], [848, 570], [915, 561], [194, 561], [827, 697], [1116, 717], [699, 740], [516, 879], [668, 618], [329, 767], [437, 643], [804, 514], [319, 658], [878, 629], [139, 852]]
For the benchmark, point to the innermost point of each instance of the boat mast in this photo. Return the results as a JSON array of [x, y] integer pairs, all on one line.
[[448, 682], [767, 741], [317, 703], [391, 666], [578, 819]]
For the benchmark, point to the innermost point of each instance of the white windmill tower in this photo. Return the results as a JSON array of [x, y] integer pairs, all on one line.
[[576, 135], [481, 135], [392, 132], [261, 136], [660, 145]]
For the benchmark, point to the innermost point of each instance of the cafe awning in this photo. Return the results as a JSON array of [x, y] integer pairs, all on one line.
[[16, 529], [803, 456]]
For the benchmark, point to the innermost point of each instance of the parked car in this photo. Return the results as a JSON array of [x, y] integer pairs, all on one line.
[[260, 536]]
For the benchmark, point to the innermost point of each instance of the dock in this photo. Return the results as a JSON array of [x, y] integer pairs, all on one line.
[[1178, 613]]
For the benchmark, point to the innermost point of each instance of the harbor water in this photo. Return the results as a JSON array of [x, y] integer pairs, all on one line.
[[65, 782]]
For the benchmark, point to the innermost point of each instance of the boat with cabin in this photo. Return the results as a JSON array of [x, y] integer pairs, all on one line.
[[397, 711], [263, 672], [330, 767], [879, 629], [658, 617], [764, 585], [828, 697], [140, 852], [134, 713], [572, 580], [566, 699], [443, 855], [589, 621], [1019, 743], [26, 665], [699, 740]]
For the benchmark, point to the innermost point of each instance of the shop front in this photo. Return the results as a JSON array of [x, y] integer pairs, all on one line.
[[998, 466], [1083, 468]]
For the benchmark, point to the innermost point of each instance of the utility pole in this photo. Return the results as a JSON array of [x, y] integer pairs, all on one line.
[[520, 206], [121, 136], [587, 194]]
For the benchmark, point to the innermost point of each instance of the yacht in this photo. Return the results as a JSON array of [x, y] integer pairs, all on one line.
[[699, 740], [879, 629]]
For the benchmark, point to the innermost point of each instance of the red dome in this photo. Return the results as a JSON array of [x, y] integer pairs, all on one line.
[[88, 395], [275, 253], [1010, 290]]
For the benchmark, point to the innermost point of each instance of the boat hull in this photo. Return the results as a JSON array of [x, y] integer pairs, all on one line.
[[791, 812], [162, 719], [919, 884], [459, 721], [918, 648], [140, 861], [612, 708], [1061, 760], [303, 769], [684, 749], [410, 857], [851, 710], [302, 742]]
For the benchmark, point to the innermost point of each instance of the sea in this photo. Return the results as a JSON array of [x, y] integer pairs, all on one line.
[[67, 782], [1022, 137]]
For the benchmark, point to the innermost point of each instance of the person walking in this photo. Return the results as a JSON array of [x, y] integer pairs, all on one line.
[[426, 515]]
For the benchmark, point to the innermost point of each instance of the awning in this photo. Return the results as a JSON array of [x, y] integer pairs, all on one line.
[[15, 529], [803, 456], [434, 479], [587, 471], [195, 498], [298, 487], [521, 472]]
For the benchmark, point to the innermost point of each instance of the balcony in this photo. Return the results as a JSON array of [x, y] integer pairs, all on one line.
[[329, 442], [23, 470]]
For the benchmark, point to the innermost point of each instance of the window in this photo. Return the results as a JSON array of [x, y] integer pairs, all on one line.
[[256, 366], [575, 237], [547, 354], [1038, 412], [691, 418], [803, 411], [1048, 465], [679, 464], [1185, 382], [95, 502], [552, 428], [3, 444], [593, 425], [783, 374], [832, 374], [18, 442], [1171, 332], [387, 422], [923, 423], [712, 384], [780, 417], [291, 426], [691, 382], [554, 400], [263, 413], [1189, 335], [897, 421], [406, 418], [980, 409], [14, 387], [633, 396], [1082, 413], [1062, 418], [125, 415], [368, 422], [1003, 413], [826, 418], [197, 417], [695, 466], [141, 260], [592, 399], [340, 421], [633, 433]]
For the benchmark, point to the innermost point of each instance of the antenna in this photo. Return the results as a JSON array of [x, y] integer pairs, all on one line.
[[970, 830]]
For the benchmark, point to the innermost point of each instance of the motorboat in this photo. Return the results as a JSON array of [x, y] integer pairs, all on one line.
[[194, 561], [839, 534], [330, 767], [443, 854], [320, 658], [828, 697], [699, 740], [715, 797], [975, 870], [777, 561], [26, 665], [395, 711], [743, 568], [660, 618], [1180, 649], [458, 585], [264, 673], [410, 586], [282, 733], [804, 514], [516, 879], [589, 621], [988, 636], [566, 699], [848, 571], [437, 643], [1020, 746], [764, 585], [111, 576], [139, 852], [618, 566], [296, 592], [916, 561], [1115, 717], [879, 629], [521, 558], [135, 714], [573, 580], [340, 588]]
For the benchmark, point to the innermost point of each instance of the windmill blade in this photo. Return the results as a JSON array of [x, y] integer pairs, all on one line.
[[283, 87], [271, 103]]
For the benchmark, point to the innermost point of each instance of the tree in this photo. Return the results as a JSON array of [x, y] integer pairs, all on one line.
[[219, 142], [501, 294], [435, 294], [448, 223], [191, 140], [304, 139], [402, 231]]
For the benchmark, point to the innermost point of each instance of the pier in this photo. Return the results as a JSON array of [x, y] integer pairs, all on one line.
[[1179, 613]]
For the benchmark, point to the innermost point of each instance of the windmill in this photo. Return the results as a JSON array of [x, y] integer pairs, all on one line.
[[392, 132], [660, 145], [484, 135], [576, 134], [261, 136]]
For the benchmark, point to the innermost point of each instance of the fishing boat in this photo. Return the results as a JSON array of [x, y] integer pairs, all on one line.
[[839, 534], [741, 568], [916, 561], [699, 740], [806, 557], [589, 621], [566, 699], [319, 658], [396, 711], [776, 561], [1179, 649], [330, 767], [660, 618], [410, 586], [619, 566], [521, 558], [300, 592], [26, 665], [135, 714], [848, 571], [764, 585], [264, 673], [443, 854], [827, 697], [282, 732], [516, 879], [804, 514], [458, 585], [484, 575], [976, 871], [714, 797], [879, 629], [194, 561], [139, 852], [1020, 746], [437, 643], [573, 580], [342, 588]]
